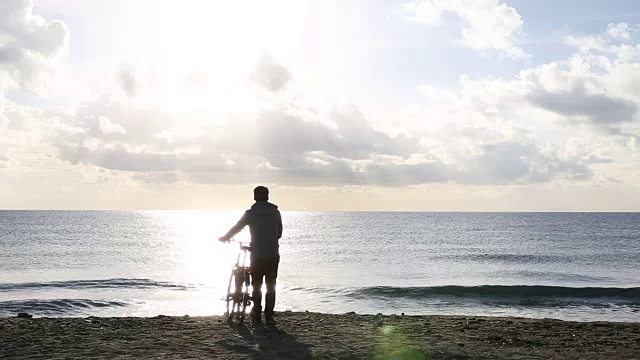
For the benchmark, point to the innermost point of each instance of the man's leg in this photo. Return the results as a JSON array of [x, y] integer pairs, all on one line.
[[257, 273], [271, 274]]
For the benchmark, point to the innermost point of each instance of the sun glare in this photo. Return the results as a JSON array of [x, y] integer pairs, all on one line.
[[205, 50]]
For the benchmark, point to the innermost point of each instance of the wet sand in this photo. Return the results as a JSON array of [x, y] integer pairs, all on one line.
[[312, 335]]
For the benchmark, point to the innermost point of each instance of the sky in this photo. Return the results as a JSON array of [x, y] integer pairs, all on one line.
[[432, 105]]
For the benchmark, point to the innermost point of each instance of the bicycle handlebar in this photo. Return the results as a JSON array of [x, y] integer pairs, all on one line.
[[243, 245]]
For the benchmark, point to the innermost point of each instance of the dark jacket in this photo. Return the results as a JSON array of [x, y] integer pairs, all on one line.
[[265, 225]]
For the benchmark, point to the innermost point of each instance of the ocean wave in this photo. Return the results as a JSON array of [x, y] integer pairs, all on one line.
[[56, 307], [502, 292], [118, 283], [557, 276], [506, 258]]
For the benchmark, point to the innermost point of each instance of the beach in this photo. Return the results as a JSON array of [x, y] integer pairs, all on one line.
[[306, 335]]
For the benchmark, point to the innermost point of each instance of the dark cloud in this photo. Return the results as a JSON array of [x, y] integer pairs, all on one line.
[[269, 74], [599, 109], [281, 134], [10, 53], [4, 161], [127, 80], [116, 158]]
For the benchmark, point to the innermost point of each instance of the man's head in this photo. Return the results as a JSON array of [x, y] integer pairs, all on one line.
[[261, 193]]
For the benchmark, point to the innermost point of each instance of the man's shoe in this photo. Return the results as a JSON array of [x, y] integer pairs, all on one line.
[[270, 320], [256, 317]]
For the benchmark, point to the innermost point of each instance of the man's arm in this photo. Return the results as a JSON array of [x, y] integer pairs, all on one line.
[[237, 227], [279, 220]]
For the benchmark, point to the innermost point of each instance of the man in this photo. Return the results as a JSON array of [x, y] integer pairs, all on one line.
[[265, 225]]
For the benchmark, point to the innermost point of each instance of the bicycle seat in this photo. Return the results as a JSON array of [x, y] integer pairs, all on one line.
[[245, 248]]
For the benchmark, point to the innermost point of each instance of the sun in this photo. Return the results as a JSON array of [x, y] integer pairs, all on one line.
[[202, 52], [198, 55]]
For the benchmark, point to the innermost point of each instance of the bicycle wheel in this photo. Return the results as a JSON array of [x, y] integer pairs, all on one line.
[[235, 297], [246, 298], [230, 296]]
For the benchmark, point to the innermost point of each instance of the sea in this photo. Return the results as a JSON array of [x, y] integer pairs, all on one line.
[[571, 266]]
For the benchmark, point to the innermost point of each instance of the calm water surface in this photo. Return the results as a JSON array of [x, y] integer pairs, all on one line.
[[578, 266]]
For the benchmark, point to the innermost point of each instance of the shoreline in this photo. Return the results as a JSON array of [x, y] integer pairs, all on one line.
[[306, 335]]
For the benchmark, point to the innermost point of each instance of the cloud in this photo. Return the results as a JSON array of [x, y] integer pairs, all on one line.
[[158, 177], [116, 157], [487, 24], [269, 74], [587, 43], [487, 133], [107, 127], [595, 158], [28, 44], [294, 146], [597, 87], [619, 31], [599, 109], [515, 162], [4, 161], [141, 125], [607, 42], [126, 78], [30, 50], [285, 132]]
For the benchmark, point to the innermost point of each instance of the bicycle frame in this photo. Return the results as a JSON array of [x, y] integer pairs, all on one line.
[[244, 249]]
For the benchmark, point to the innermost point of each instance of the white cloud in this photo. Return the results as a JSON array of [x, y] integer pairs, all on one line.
[[107, 127], [587, 43], [619, 31], [612, 41], [487, 24], [28, 45]]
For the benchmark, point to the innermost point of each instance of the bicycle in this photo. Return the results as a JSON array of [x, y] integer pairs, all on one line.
[[240, 283]]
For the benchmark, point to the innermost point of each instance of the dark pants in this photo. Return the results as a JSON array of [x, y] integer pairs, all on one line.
[[267, 269]]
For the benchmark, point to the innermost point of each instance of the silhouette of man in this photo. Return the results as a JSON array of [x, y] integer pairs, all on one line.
[[265, 225]]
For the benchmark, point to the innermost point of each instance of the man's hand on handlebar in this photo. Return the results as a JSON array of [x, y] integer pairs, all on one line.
[[224, 239]]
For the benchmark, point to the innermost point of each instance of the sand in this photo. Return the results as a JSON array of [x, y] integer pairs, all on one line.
[[312, 335]]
